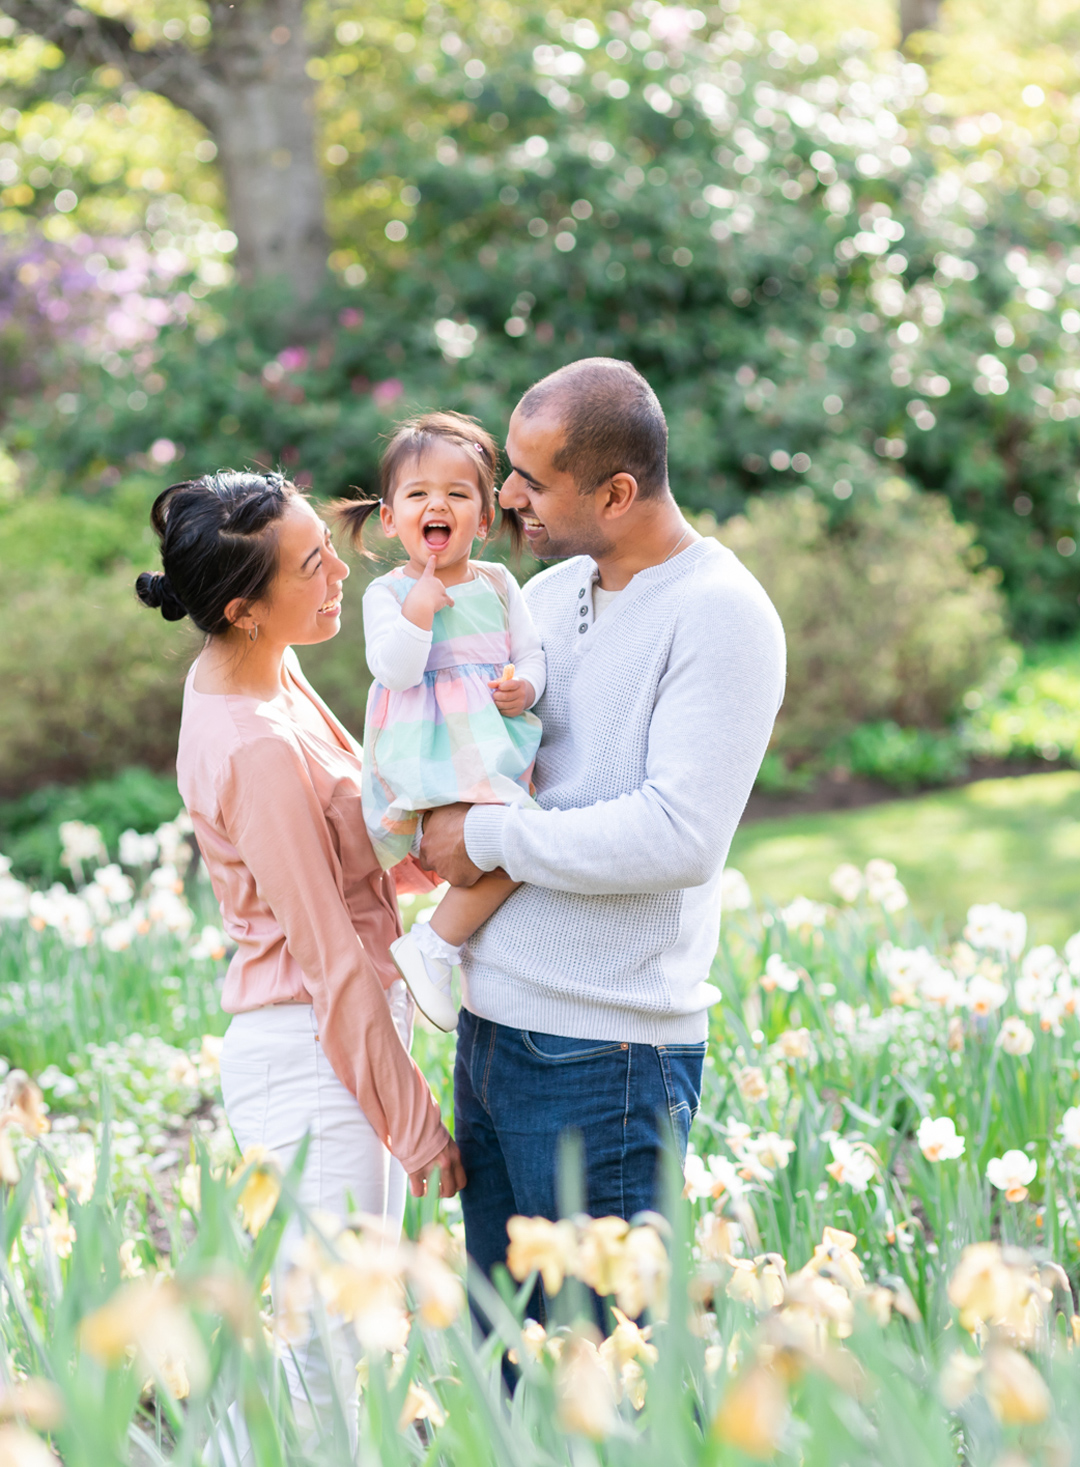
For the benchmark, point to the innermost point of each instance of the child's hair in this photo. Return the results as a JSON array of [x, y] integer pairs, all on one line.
[[408, 442]]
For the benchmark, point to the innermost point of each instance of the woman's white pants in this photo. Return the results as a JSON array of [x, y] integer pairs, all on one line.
[[278, 1087]]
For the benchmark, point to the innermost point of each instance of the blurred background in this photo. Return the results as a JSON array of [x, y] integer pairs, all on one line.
[[841, 240]]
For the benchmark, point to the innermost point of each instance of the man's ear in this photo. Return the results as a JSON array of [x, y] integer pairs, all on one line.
[[618, 495]]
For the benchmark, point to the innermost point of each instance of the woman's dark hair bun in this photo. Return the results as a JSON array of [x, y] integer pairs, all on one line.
[[217, 545], [154, 589]]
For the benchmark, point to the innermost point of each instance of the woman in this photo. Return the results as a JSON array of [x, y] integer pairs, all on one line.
[[318, 1044]]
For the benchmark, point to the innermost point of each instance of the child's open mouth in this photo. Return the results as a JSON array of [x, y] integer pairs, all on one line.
[[436, 535]]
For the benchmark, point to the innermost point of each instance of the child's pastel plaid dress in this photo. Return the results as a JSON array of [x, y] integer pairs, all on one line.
[[444, 740]]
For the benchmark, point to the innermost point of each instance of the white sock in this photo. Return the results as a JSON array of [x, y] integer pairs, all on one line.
[[433, 946]]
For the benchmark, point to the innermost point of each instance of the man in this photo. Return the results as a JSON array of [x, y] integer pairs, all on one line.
[[586, 996]]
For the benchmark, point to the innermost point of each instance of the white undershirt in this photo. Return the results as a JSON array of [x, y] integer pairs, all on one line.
[[602, 599]]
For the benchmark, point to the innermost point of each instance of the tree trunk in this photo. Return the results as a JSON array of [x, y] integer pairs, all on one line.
[[250, 89], [263, 125], [917, 15]]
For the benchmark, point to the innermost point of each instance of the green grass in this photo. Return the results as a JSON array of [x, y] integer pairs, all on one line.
[[1013, 841]]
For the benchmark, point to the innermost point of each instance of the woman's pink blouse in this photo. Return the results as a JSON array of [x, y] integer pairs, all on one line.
[[276, 811]]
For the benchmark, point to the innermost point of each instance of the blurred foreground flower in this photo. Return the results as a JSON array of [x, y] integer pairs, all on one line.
[[548, 1247], [1000, 1289], [605, 1253], [1014, 1389], [420, 1405], [847, 882], [584, 1394], [146, 1319], [36, 1402], [21, 1448], [261, 1190], [1011, 1174], [753, 1414]]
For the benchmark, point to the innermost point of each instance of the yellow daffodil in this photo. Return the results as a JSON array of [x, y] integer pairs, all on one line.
[[261, 1190], [550, 1248], [753, 1414], [420, 1405], [1014, 1389], [585, 1396]]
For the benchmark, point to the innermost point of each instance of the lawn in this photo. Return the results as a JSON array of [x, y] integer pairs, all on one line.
[[1013, 841]]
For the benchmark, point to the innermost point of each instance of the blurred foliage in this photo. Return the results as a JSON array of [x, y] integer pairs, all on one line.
[[906, 758], [888, 615], [92, 681], [135, 799], [822, 264], [1030, 710]]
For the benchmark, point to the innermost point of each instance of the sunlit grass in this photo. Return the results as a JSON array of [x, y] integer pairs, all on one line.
[[1013, 841]]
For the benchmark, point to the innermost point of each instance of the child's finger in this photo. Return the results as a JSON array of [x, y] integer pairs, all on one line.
[[512, 686], [429, 569]]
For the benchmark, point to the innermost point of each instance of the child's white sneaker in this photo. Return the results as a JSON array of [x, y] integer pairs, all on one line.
[[427, 974]]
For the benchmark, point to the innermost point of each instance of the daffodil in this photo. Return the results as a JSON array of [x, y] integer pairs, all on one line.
[[261, 1189], [549, 1248], [1011, 1174], [584, 1393], [1015, 1391], [937, 1139], [753, 1415]]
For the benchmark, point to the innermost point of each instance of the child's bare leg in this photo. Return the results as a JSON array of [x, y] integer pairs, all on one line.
[[465, 908]]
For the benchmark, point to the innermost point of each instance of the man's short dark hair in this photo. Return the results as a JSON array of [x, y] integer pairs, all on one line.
[[613, 420]]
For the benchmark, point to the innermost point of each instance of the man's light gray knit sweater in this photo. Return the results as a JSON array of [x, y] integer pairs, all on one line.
[[656, 719]]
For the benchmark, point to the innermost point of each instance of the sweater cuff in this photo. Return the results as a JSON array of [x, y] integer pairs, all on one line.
[[483, 835]]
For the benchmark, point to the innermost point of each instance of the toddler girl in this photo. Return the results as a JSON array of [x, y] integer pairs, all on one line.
[[457, 663]]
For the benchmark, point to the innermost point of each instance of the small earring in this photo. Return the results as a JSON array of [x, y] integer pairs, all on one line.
[[253, 634]]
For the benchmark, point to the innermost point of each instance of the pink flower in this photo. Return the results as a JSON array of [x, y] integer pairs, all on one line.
[[294, 358], [351, 318], [387, 392]]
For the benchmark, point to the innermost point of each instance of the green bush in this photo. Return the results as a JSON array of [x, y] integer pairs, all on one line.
[[906, 758], [810, 300], [135, 799], [889, 614], [1030, 710], [92, 681]]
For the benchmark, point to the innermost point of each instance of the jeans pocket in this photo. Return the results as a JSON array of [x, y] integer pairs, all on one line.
[[245, 1089], [681, 1066], [558, 1050]]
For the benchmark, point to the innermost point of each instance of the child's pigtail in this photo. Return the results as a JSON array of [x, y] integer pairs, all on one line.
[[511, 525], [352, 515]]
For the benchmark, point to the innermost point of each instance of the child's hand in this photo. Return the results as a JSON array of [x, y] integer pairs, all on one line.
[[513, 696], [426, 598]]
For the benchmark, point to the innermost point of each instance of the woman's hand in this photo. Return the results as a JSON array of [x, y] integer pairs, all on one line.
[[451, 1173], [513, 697], [426, 598]]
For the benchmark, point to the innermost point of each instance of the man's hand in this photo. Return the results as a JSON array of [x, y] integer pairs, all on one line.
[[428, 596], [442, 845], [513, 697], [451, 1173]]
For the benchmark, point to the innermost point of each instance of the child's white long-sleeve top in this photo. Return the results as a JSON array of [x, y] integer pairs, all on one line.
[[398, 650]]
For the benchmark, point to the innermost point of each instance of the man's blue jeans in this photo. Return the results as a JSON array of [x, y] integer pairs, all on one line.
[[517, 1091]]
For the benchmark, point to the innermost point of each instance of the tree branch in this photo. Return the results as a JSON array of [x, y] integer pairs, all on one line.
[[175, 71]]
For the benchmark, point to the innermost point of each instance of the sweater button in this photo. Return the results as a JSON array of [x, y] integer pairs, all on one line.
[[581, 593], [583, 627]]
